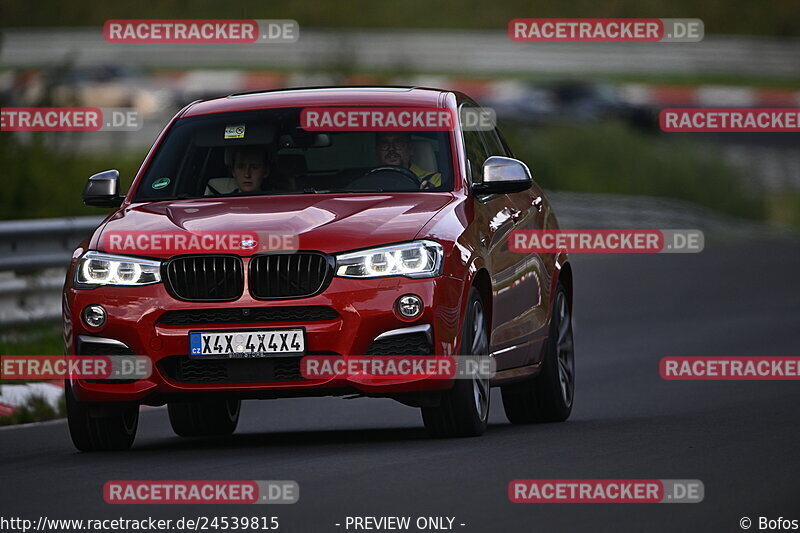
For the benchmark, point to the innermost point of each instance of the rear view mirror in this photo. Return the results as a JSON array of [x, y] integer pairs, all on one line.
[[304, 140], [502, 175], [102, 190]]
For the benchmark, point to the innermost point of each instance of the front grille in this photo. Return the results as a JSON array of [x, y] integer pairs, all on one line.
[[184, 369], [260, 315], [205, 278], [407, 344], [289, 275]]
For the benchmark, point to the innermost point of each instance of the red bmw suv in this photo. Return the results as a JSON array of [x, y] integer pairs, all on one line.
[[401, 246]]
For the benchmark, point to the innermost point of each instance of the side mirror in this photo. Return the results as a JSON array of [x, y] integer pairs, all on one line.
[[502, 175], [102, 190]]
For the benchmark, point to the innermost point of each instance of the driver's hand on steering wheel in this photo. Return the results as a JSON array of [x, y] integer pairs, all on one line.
[[425, 184]]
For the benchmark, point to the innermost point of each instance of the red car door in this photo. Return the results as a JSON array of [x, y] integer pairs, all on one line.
[[528, 294], [495, 221]]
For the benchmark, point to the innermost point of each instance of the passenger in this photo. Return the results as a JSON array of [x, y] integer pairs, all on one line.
[[249, 166]]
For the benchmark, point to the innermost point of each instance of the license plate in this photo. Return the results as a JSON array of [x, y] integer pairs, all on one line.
[[243, 344]]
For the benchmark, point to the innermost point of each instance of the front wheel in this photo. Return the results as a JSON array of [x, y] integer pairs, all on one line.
[[206, 418], [96, 426], [464, 409], [549, 396]]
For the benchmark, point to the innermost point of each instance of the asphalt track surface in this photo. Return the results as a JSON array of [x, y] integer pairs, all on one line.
[[369, 457]]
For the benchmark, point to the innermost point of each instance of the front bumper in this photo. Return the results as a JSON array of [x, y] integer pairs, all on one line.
[[365, 312]]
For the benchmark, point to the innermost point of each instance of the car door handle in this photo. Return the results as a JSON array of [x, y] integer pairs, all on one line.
[[537, 203]]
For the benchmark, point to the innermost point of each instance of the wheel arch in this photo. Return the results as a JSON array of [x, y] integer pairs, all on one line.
[[565, 278], [483, 283], [477, 275]]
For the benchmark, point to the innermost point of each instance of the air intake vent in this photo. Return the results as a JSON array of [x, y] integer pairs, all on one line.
[[183, 369], [247, 315], [408, 344]]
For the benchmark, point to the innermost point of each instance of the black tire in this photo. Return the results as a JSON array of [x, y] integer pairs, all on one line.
[[464, 409], [202, 419], [96, 426], [549, 396]]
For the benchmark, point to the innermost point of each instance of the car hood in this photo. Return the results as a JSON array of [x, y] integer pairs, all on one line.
[[327, 223]]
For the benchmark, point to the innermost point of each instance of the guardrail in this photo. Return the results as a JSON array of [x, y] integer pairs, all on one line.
[[33, 257], [30, 245]]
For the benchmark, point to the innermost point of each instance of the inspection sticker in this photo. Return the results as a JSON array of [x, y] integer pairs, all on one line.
[[160, 183], [234, 132]]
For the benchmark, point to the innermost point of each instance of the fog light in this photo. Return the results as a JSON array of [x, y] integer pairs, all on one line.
[[94, 316], [409, 306]]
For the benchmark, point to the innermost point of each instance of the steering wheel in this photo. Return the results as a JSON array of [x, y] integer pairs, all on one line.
[[387, 177]]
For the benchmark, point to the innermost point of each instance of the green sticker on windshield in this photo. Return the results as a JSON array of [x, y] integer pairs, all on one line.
[[160, 183]]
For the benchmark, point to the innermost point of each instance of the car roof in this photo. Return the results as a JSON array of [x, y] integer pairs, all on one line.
[[322, 96]]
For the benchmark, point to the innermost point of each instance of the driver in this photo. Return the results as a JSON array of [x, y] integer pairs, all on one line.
[[395, 148]]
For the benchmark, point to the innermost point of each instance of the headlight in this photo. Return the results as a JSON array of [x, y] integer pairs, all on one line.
[[95, 268], [419, 259]]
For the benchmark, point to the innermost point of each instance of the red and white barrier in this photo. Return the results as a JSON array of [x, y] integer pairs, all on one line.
[[12, 397]]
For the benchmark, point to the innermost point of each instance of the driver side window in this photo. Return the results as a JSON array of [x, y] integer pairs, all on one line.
[[494, 143]]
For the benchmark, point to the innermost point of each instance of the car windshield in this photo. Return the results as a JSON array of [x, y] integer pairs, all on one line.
[[266, 152]]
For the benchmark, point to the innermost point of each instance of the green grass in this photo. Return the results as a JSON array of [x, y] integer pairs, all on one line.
[[615, 159], [784, 208], [681, 80], [40, 182], [39, 339], [765, 17]]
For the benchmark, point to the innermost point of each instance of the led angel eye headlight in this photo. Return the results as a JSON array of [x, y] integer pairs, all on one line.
[[418, 259], [96, 268]]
